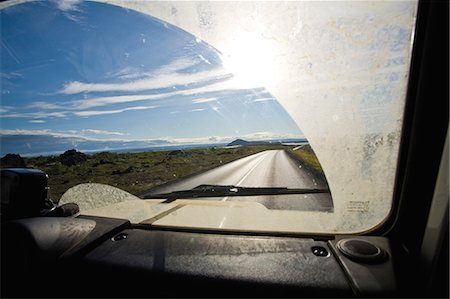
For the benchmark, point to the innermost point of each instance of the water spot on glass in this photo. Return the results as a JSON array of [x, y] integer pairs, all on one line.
[[173, 11]]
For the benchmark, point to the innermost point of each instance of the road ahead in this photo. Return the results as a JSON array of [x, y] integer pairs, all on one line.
[[273, 168]]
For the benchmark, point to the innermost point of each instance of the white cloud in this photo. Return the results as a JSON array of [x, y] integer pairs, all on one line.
[[45, 105], [129, 72], [37, 121], [226, 85], [102, 132], [104, 101], [67, 5], [204, 59], [39, 114], [166, 76], [77, 137], [47, 132], [256, 136], [80, 139], [264, 99], [163, 80], [204, 100], [35, 132], [269, 136], [176, 65], [10, 75], [196, 110], [201, 140], [3, 110], [71, 131], [173, 67], [103, 112]]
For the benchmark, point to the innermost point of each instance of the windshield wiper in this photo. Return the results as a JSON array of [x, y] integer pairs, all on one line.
[[230, 190]]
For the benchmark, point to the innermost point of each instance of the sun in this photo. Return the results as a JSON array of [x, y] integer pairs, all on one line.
[[251, 58]]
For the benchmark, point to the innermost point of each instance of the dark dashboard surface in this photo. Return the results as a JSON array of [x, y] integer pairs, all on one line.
[[103, 257]]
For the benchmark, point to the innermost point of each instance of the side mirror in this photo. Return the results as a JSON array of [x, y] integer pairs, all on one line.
[[24, 193]]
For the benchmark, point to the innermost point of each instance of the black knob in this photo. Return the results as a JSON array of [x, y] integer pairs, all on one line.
[[362, 251]]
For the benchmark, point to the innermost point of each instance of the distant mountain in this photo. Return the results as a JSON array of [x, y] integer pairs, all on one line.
[[238, 142], [35, 145], [241, 142], [244, 142]]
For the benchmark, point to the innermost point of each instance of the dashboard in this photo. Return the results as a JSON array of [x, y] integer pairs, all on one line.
[[89, 256]]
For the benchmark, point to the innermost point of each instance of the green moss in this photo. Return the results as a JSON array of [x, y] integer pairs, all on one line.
[[307, 155]]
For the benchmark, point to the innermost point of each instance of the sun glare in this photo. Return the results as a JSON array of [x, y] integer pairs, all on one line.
[[251, 58]]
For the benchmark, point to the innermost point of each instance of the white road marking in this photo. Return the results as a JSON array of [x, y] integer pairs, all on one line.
[[248, 173]]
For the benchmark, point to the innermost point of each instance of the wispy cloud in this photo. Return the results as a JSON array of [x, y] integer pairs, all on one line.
[[102, 132], [39, 114], [104, 101], [76, 135], [10, 75], [196, 110], [46, 105], [3, 109], [37, 121], [96, 102], [129, 73], [167, 76], [77, 107], [103, 112], [67, 5], [269, 136], [204, 59], [230, 84], [264, 99], [137, 73], [176, 66], [204, 100], [226, 85], [159, 82], [67, 134], [63, 141], [35, 132], [256, 136], [164, 77]]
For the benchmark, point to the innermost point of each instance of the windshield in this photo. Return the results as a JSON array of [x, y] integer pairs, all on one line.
[[159, 97]]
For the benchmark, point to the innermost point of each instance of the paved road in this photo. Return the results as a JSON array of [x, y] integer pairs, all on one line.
[[273, 168]]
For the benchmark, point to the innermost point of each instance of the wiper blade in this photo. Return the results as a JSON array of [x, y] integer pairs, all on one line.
[[230, 190]]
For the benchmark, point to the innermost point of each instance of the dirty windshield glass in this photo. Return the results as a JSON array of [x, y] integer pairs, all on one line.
[[280, 107]]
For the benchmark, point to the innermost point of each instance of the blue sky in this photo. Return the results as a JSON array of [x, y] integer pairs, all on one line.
[[95, 77]]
